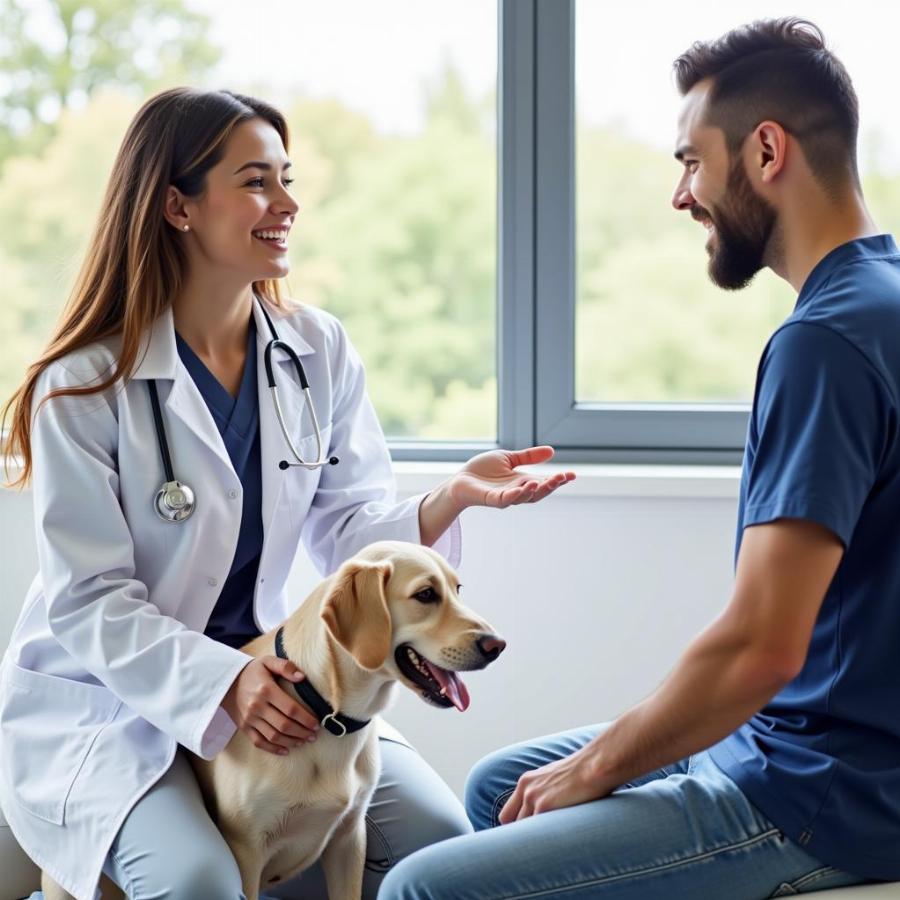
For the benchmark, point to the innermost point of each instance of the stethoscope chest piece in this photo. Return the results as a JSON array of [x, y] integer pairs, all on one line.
[[174, 502]]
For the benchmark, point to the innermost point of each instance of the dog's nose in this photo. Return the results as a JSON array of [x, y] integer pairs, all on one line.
[[490, 646]]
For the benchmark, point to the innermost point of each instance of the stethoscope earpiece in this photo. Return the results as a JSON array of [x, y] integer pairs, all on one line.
[[174, 502]]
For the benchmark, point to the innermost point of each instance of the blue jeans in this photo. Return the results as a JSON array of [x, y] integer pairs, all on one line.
[[683, 831]]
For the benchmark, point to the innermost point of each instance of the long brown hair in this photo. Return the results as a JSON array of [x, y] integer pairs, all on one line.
[[135, 264]]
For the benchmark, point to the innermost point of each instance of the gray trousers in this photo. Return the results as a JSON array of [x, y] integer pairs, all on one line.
[[169, 849]]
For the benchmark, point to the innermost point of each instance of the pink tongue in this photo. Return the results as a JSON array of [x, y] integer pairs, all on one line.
[[452, 684]]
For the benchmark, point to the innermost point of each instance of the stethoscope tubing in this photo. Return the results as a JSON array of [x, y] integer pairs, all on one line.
[[174, 502]]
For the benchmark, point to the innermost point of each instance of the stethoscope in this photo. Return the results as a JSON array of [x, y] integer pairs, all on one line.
[[174, 501]]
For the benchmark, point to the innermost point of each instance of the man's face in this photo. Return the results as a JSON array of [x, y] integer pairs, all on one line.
[[717, 192]]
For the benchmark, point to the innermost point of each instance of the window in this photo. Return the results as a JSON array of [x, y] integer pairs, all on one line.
[[663, 359], [485, 200], [392, 110]]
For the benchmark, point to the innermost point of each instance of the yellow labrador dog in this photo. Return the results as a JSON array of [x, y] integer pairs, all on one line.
[[391, 614]]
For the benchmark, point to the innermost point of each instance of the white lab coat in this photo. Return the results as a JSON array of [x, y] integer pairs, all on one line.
[[108, 668]]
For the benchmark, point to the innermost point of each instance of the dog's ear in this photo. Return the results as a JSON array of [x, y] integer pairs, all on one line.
[[356, 611]]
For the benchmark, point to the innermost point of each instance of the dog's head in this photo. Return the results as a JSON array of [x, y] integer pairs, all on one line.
[[395, 606]]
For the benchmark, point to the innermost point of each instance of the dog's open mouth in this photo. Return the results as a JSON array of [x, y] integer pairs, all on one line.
[[439, 686]]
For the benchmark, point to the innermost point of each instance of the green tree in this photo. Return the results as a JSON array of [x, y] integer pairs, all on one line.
[[57, 53], [651, 326], [397, 237]]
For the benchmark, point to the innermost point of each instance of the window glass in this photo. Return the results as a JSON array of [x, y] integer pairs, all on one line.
[[392, 110], [651, 326]]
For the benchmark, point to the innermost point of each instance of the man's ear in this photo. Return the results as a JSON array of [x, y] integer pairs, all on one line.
[[356, 612], [770, 146]]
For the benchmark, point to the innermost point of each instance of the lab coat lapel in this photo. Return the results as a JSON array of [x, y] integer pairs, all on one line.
[[159, 360]]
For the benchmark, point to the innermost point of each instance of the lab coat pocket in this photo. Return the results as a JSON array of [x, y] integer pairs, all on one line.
[[309, 446], [47, 727], [302, 483]]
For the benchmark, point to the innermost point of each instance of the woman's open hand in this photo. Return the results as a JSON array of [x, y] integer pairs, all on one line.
[[492, 479]]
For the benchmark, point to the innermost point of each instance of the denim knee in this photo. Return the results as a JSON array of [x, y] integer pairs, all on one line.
[[408, 880], [486, 785]]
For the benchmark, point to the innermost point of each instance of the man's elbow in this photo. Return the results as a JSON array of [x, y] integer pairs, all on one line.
[[773, 669]]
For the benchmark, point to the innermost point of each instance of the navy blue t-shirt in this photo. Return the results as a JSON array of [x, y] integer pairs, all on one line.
[[237, 419], [822, 759]]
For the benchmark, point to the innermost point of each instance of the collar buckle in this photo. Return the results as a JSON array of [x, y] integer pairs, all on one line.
[[336, 721]]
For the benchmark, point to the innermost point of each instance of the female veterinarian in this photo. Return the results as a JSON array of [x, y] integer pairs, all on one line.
[[170, 500]]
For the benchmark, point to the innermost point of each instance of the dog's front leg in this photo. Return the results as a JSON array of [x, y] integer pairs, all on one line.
[[344, 858], [250, 862]]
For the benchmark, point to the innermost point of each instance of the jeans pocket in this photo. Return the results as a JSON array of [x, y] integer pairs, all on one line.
[[379, 854], [821, 879], [499, 803]]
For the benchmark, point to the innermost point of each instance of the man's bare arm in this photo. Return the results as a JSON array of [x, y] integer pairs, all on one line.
[[728, 672]]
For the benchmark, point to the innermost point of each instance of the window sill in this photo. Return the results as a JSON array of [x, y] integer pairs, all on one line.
[[716, 482]]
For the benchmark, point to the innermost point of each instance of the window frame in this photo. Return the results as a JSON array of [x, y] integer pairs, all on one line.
[[536, 272], [536, 290]]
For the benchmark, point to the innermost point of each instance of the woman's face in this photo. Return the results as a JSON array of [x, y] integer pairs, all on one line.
[[242, 220]]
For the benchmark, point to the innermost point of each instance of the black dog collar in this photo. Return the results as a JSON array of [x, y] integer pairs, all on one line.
[[336, 723]]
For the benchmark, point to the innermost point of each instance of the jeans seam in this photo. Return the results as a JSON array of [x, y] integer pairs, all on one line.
[[385, 842], [813, 877], [128, 889], [638, 872], [500, 799]]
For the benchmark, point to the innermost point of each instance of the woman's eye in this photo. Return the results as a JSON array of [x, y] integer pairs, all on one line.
[[259, 182], [428, 595]]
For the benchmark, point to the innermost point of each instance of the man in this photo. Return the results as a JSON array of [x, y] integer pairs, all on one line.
[[768, 762]]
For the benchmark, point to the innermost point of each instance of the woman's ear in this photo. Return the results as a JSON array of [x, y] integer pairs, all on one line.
[[174, 209], [356, 612]]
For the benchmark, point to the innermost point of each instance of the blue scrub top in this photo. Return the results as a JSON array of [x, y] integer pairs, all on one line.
[[237, 419], [822, 759]]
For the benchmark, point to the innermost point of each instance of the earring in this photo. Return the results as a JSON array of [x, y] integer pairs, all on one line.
[[186, 228]]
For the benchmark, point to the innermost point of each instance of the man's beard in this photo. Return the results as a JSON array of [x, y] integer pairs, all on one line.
[[743, 231]]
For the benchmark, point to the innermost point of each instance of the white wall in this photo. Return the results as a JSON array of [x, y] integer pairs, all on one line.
[[597, 590]]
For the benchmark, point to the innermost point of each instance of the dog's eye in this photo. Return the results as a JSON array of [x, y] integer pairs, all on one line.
[[427, 595]]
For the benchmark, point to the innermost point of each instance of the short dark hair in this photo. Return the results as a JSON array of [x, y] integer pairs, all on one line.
[[780, 69]]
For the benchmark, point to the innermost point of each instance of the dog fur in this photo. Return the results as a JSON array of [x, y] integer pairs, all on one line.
[[279, 814]]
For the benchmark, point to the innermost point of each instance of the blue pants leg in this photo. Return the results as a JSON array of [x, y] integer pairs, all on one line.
[[684, 831]]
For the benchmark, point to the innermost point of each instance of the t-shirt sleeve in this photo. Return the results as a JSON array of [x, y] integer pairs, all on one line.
[[818, 431]]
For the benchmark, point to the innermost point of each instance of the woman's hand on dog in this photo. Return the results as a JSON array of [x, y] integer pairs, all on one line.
[[258, 705]]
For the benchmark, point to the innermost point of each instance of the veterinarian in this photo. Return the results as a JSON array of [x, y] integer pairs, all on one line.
[[172, 488], [766, 764]]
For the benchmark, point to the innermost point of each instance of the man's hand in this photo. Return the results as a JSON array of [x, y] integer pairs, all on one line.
[[566, 782], [271, 718]]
